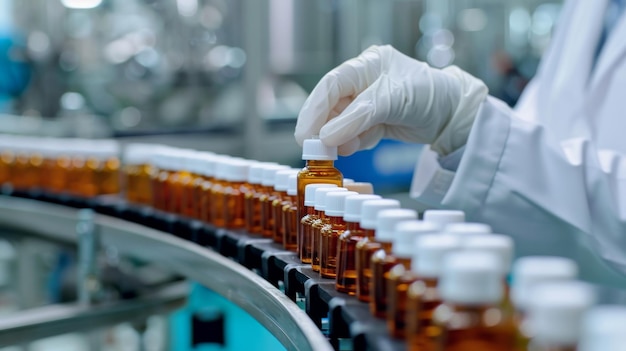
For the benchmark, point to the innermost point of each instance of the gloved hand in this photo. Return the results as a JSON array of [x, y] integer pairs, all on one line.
[[383, 93]]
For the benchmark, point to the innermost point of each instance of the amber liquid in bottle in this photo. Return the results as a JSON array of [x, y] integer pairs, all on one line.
[[267, 212], [398, 281], [277, 216], [108, 176], [422, 300], [304, 234], [7, 163], [329, 246], [84, 170], [473, 328], [314, 172], [290, 223], [253, 209], [218, 203], [206, 200], [196, 195], [178, 183], [365, 249], [346, 258], [189, 205], [382, 262], [315, 241], [234, 216]]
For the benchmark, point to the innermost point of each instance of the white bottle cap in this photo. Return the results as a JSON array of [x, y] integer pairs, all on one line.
[[405, 234], [467, 229], [603, 329], [255, 174], [320, 197], [314, 149], [237, 171], [138, 153], [387, 219], [555, 312], [282, 177], [196, 162], [309, 192], [347, 181], [221, 167], [352, 210], [292, 185], [336, 201], [500, 245], [370, 209], [360, 187], [429, 251], [444, 217], [269, 173], [207, 162], [531, 270], [471, 278]]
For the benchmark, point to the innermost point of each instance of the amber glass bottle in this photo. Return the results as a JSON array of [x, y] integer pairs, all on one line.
[[267, 199], [203, 176], [290, 215], [82, 172], [253, 197], [403, 235], [136, 172], [237, 186], [190, 165], [305, 223], [7, 159], [413, 294], [382, 259], [367, 245], [319, 223], [217, 192], [107, 172], [346, 259], [529, 272], [58, 174], [555, 314], [319, 168], [204, 195], [280, 187], [329, 234], [49, 152], [470, 317], [27, 165], [161, 168]]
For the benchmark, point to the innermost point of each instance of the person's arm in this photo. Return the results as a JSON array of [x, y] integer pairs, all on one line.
[[555, 197]]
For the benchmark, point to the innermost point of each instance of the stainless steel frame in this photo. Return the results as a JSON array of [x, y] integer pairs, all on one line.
[[268, 305]]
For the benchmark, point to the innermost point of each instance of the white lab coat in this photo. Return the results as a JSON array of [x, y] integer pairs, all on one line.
[[552, 172]]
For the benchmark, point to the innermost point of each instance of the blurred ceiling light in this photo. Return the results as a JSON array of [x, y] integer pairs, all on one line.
[[187, 8], [211, 17], [440, 56], [72, 101], [81, 4], [472, 20], [38, 42], [430, 22], [519, 20], [443, 38], [236, 57], [218, 57], [119, 51]]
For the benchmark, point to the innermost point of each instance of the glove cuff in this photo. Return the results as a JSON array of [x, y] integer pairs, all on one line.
[[473, 92]]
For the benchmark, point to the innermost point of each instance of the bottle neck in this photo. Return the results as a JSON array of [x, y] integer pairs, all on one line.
[[336, 222], [319, 164], [353, 226]]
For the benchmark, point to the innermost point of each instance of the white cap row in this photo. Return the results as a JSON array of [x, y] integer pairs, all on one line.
[[58, 147]]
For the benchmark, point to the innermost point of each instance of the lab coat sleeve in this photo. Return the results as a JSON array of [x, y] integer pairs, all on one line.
[[565, 198]]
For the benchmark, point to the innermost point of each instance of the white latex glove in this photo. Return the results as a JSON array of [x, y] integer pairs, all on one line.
[[383, 93]]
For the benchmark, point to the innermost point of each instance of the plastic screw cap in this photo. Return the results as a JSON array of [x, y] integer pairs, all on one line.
[[555, 312], [387, 219], [444, 217], [532, 270], [309, 192], [221, 167], [292, 185], [269, 174], [500, 245], [138, 153], [282, 177], [603, 329], [347, 181], [207, 162], [237, 171], [406, 232], [320, 197], [255, 174], [467, 228], [352, 210], [335, 202], [314, 149], [471, 279], [360, 187], [429, 251], [370, 209]]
